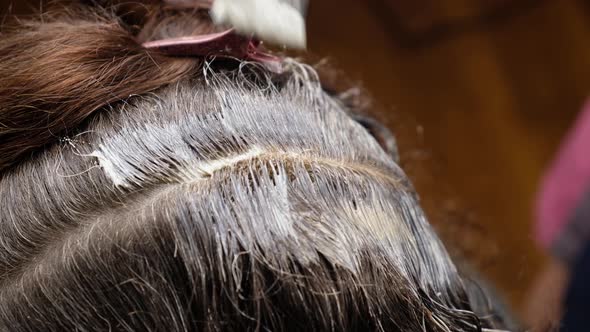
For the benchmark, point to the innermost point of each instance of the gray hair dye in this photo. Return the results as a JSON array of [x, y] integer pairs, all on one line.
[[223, 203]]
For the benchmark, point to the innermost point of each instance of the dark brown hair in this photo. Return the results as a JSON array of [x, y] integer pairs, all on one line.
[[145, 193], [61, 68]]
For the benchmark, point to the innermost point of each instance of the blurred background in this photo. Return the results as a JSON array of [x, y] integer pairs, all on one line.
[[480, 92]]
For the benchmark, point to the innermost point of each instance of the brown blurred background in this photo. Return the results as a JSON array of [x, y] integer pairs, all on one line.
[[480, 93]]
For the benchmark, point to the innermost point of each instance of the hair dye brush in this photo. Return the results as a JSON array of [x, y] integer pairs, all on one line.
[[279, 22]]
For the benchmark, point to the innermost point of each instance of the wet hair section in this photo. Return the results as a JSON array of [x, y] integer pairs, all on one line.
[[227, 198], [250, 204], [191, 129]]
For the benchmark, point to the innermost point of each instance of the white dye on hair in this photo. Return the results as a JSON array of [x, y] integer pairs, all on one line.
[[250, 199]]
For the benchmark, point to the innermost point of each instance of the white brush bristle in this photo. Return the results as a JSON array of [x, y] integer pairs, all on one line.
[[273, 21]]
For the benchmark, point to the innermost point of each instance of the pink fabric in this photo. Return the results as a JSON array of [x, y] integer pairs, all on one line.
[[566, 181]]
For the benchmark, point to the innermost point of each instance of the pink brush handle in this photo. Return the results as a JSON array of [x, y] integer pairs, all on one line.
[[183, 4], [226, 43]]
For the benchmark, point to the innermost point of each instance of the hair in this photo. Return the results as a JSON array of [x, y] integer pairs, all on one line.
[[140, 192]]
